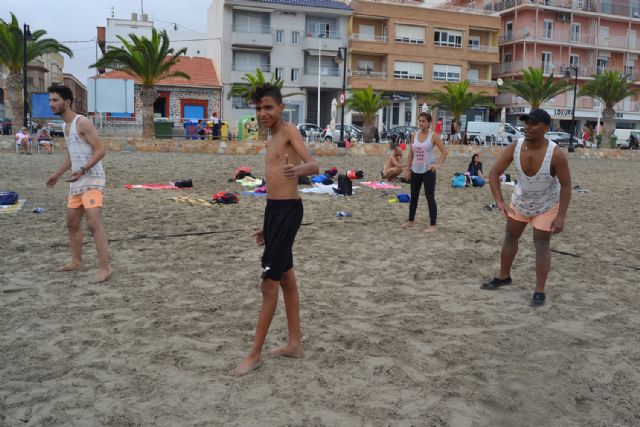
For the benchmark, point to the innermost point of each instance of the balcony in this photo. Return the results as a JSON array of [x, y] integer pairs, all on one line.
[[369, 38], [484, 49], [507, 68], [311, 42], [374, 75], [239, 69], [479, 82], [329, 78], [257, 36]]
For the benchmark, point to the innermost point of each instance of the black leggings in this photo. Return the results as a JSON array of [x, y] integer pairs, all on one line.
[[429, 180]]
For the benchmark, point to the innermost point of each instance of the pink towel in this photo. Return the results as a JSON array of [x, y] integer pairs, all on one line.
[[152, 186], [381, 185]]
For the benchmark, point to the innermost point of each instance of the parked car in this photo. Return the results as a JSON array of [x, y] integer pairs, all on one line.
[[7, 126], [489, 132], [350, 131], [562, 139], [55, 127], [309, 130], [400, 133]]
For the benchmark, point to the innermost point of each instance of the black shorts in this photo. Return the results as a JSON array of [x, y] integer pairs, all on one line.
[[282, 219]]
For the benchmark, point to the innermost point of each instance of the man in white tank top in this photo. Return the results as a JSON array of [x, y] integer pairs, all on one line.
[[541, 197], [86, 182]]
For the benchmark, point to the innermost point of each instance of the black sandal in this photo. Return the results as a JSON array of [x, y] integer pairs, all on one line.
[[496, 283]]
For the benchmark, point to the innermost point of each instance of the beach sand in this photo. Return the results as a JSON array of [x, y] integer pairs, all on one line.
[[396, 330]]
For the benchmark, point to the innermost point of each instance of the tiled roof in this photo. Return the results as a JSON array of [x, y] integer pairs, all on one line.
[[201, 70], [325, 4]]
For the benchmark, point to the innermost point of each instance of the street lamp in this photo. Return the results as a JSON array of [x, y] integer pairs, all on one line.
[[567, 74], [320, 36], [340, 58], [26, 36]]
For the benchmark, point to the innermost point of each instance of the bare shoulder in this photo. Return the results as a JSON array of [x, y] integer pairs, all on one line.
[[559, 156]]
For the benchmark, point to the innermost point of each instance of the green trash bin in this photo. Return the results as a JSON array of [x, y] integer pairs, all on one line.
[[612, 141], [163, 129], [598, 141]]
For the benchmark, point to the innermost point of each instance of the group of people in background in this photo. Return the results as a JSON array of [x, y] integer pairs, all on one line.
[[24, 140]]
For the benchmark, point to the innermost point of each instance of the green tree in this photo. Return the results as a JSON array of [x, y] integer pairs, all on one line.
[[149, 60], [246, 91], [609, 88], [457, 99], [367, 103], [534, 88], [12, 56]]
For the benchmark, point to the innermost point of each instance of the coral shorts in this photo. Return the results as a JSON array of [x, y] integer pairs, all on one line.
[[89, 199], [541, 222]]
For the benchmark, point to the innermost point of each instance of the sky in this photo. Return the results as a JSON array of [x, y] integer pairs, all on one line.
[[69, 21]]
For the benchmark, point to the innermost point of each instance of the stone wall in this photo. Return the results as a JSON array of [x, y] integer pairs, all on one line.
[[7, 144]]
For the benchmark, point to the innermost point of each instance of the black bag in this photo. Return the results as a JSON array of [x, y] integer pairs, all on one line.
[[345, 187], [185, 183], [304, 180], [8, 197]]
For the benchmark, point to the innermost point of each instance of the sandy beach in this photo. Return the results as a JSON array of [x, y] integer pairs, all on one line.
[[396, 330]]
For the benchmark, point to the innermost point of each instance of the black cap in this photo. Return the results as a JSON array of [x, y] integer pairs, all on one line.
[[537, 115]]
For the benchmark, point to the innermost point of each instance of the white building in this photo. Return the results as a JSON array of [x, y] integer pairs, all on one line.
[[294, 40]]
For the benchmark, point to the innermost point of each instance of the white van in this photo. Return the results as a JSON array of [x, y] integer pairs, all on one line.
[[489, 132], [623, 137]]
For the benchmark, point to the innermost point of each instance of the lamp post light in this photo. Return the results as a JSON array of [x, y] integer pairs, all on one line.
[[567, 74], [342, 59], [26, 35]]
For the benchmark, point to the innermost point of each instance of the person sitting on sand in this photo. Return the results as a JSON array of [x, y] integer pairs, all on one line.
[[393, 166], [287, 158], [475, 166]]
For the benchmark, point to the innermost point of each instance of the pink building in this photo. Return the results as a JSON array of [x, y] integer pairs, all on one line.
[[592, 35]]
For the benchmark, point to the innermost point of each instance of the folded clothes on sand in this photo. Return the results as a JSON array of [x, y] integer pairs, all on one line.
[[249, 181], [8, 209], [380, 185], [152, 186]]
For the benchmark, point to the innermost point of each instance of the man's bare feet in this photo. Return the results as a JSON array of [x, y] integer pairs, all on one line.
[[430, 229], [72, 266], [288, 351], [247, 365], [408, 224], [101, 276]]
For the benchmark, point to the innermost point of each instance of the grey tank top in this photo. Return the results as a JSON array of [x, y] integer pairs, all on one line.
[[536, 194], [80, 153]]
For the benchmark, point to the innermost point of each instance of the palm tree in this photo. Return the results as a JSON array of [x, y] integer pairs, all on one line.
[[610, 87], [535, 88], [456, 99], [12, 56], [246, 91], [149, 60], [368, 103]]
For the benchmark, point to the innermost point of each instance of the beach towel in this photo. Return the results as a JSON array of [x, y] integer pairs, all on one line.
[[381, 185], [253, 193], [151, 186], [322, 189], [191, 201], [9, 209]]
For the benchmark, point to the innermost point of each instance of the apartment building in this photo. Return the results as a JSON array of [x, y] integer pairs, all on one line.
[[296, 41], [54, 63], [591, 35], [407, 49], [79, 90]]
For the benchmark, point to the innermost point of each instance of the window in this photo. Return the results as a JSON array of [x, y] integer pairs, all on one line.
[[546, 59], [366, 32], [508, 57], [279, 36], [449, 38], [238, 102], [295, 37], [409, 34], [328, 66], [508, 30], [628, 71], [279, 73], [547, 29], [574, 60], [408, 70], [251, 22], [365, 65], [295, 74], [250, 61], [602, 65], [446, 73], [474, 42], [575, 32]]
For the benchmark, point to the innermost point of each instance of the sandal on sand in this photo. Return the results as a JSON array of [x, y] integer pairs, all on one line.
[[537, 300], [495, 283]]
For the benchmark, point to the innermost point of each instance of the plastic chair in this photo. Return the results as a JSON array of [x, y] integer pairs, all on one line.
[[39, 142], [29, 146]]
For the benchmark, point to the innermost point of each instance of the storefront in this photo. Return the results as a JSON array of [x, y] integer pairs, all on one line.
[[401, 112]]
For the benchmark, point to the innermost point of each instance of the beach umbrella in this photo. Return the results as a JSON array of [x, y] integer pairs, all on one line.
[[334, 113], [424, 108]]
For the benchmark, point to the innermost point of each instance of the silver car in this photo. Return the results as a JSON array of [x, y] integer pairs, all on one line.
[[350, 131], [55, 127]]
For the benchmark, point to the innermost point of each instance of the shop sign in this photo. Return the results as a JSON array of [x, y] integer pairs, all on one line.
[[517, 110]]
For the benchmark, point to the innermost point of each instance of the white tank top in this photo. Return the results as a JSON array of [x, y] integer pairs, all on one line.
[[80, 153], [536, 194], [423, 156]]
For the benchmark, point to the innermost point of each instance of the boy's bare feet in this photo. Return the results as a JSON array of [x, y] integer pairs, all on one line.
[[288, 351], [430, 229], [247, 365], [71, 266], [408, 224], [101, 276]]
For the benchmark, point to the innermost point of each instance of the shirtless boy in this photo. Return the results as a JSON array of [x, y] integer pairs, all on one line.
[[287, 158], [86, 181], [541, 198], [393, 166]]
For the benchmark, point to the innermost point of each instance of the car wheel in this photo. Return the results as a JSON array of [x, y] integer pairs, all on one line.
[[328, 139]]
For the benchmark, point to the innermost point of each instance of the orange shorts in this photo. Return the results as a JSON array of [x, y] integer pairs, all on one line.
[[541, 222], [89, 199]]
